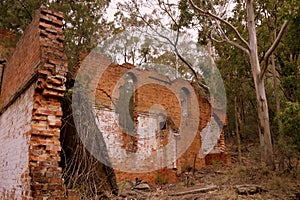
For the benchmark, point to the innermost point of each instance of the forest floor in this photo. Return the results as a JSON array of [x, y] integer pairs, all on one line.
[[247, 180]]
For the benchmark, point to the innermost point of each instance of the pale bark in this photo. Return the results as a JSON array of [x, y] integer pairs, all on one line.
[[261, 98], [272, 48], [258, 73], [262, 142]]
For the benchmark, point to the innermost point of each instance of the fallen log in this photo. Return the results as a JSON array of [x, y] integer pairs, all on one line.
[[195, 191]]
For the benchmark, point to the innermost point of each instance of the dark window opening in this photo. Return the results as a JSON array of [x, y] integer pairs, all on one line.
[[162, 125], [2, 66], [162, 121], [125, 107], [185, 101], [126, 104]]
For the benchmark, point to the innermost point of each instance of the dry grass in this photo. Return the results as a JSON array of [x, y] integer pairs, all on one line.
[[275, 184]]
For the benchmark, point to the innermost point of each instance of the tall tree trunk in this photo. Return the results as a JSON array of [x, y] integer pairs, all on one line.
[[264, 126], [262, 104], [275, 85], [277, 101], [238, 138]]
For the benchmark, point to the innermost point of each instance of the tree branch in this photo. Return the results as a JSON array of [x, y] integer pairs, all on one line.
[[272, 48], [190, 67], [221, 20], [230, 41], [216, 40], [26, 10], [238, 46], [164, 8], [174, 44]]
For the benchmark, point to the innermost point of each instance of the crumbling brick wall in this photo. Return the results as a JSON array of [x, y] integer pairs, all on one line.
[[30, 112], [144, 98], [15, 124]]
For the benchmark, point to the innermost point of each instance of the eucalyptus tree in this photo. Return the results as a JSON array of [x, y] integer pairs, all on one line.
[[241, 31]]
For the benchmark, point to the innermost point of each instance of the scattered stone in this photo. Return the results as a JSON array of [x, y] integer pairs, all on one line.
[[136, 181], [297, 196], [248, 189], [129, 194], [220, 172], [142, 186]]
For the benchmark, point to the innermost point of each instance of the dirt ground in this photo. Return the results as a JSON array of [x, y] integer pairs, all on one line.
[[216, 182]]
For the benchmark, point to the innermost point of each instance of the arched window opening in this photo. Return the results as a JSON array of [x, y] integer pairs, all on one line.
[[125, 104], [130, 81], [185, 101], [125, 108], [162, 122]]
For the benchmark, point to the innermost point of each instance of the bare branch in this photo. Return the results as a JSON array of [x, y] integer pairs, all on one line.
[[230, 41], [272, 48], [190, 67], [238, 46], [172, 43], [216, 40], [165, 9], [205, 12]]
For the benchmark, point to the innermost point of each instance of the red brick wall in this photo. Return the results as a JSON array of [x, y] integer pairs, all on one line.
[[40, 64], [192, 153], [25, 59], [8, 42], [109, 79], [145, 97], [151, 94], [47, 112]]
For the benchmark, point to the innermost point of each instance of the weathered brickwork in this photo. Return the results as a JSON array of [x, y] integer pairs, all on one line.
[[32, 86], [147, 134], [46, 120], [8, 42], [30, 108], [19, 70], [15, 124]]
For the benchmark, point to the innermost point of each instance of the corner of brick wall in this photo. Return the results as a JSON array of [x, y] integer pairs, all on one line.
[[44, 147], [38, 65]]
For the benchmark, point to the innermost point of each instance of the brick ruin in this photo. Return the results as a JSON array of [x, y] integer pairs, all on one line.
[[147, 132], [32, 86]]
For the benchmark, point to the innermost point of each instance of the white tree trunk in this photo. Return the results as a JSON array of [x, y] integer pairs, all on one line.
[[262, 104], [257, 72]]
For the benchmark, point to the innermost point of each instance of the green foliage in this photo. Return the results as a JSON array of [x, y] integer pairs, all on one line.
[[290, 118], [288, 59], [185, 168], [291, 81], [234, 64], [84, 25], [16, 15], [186, 15], [161, 180], [84, 22]]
